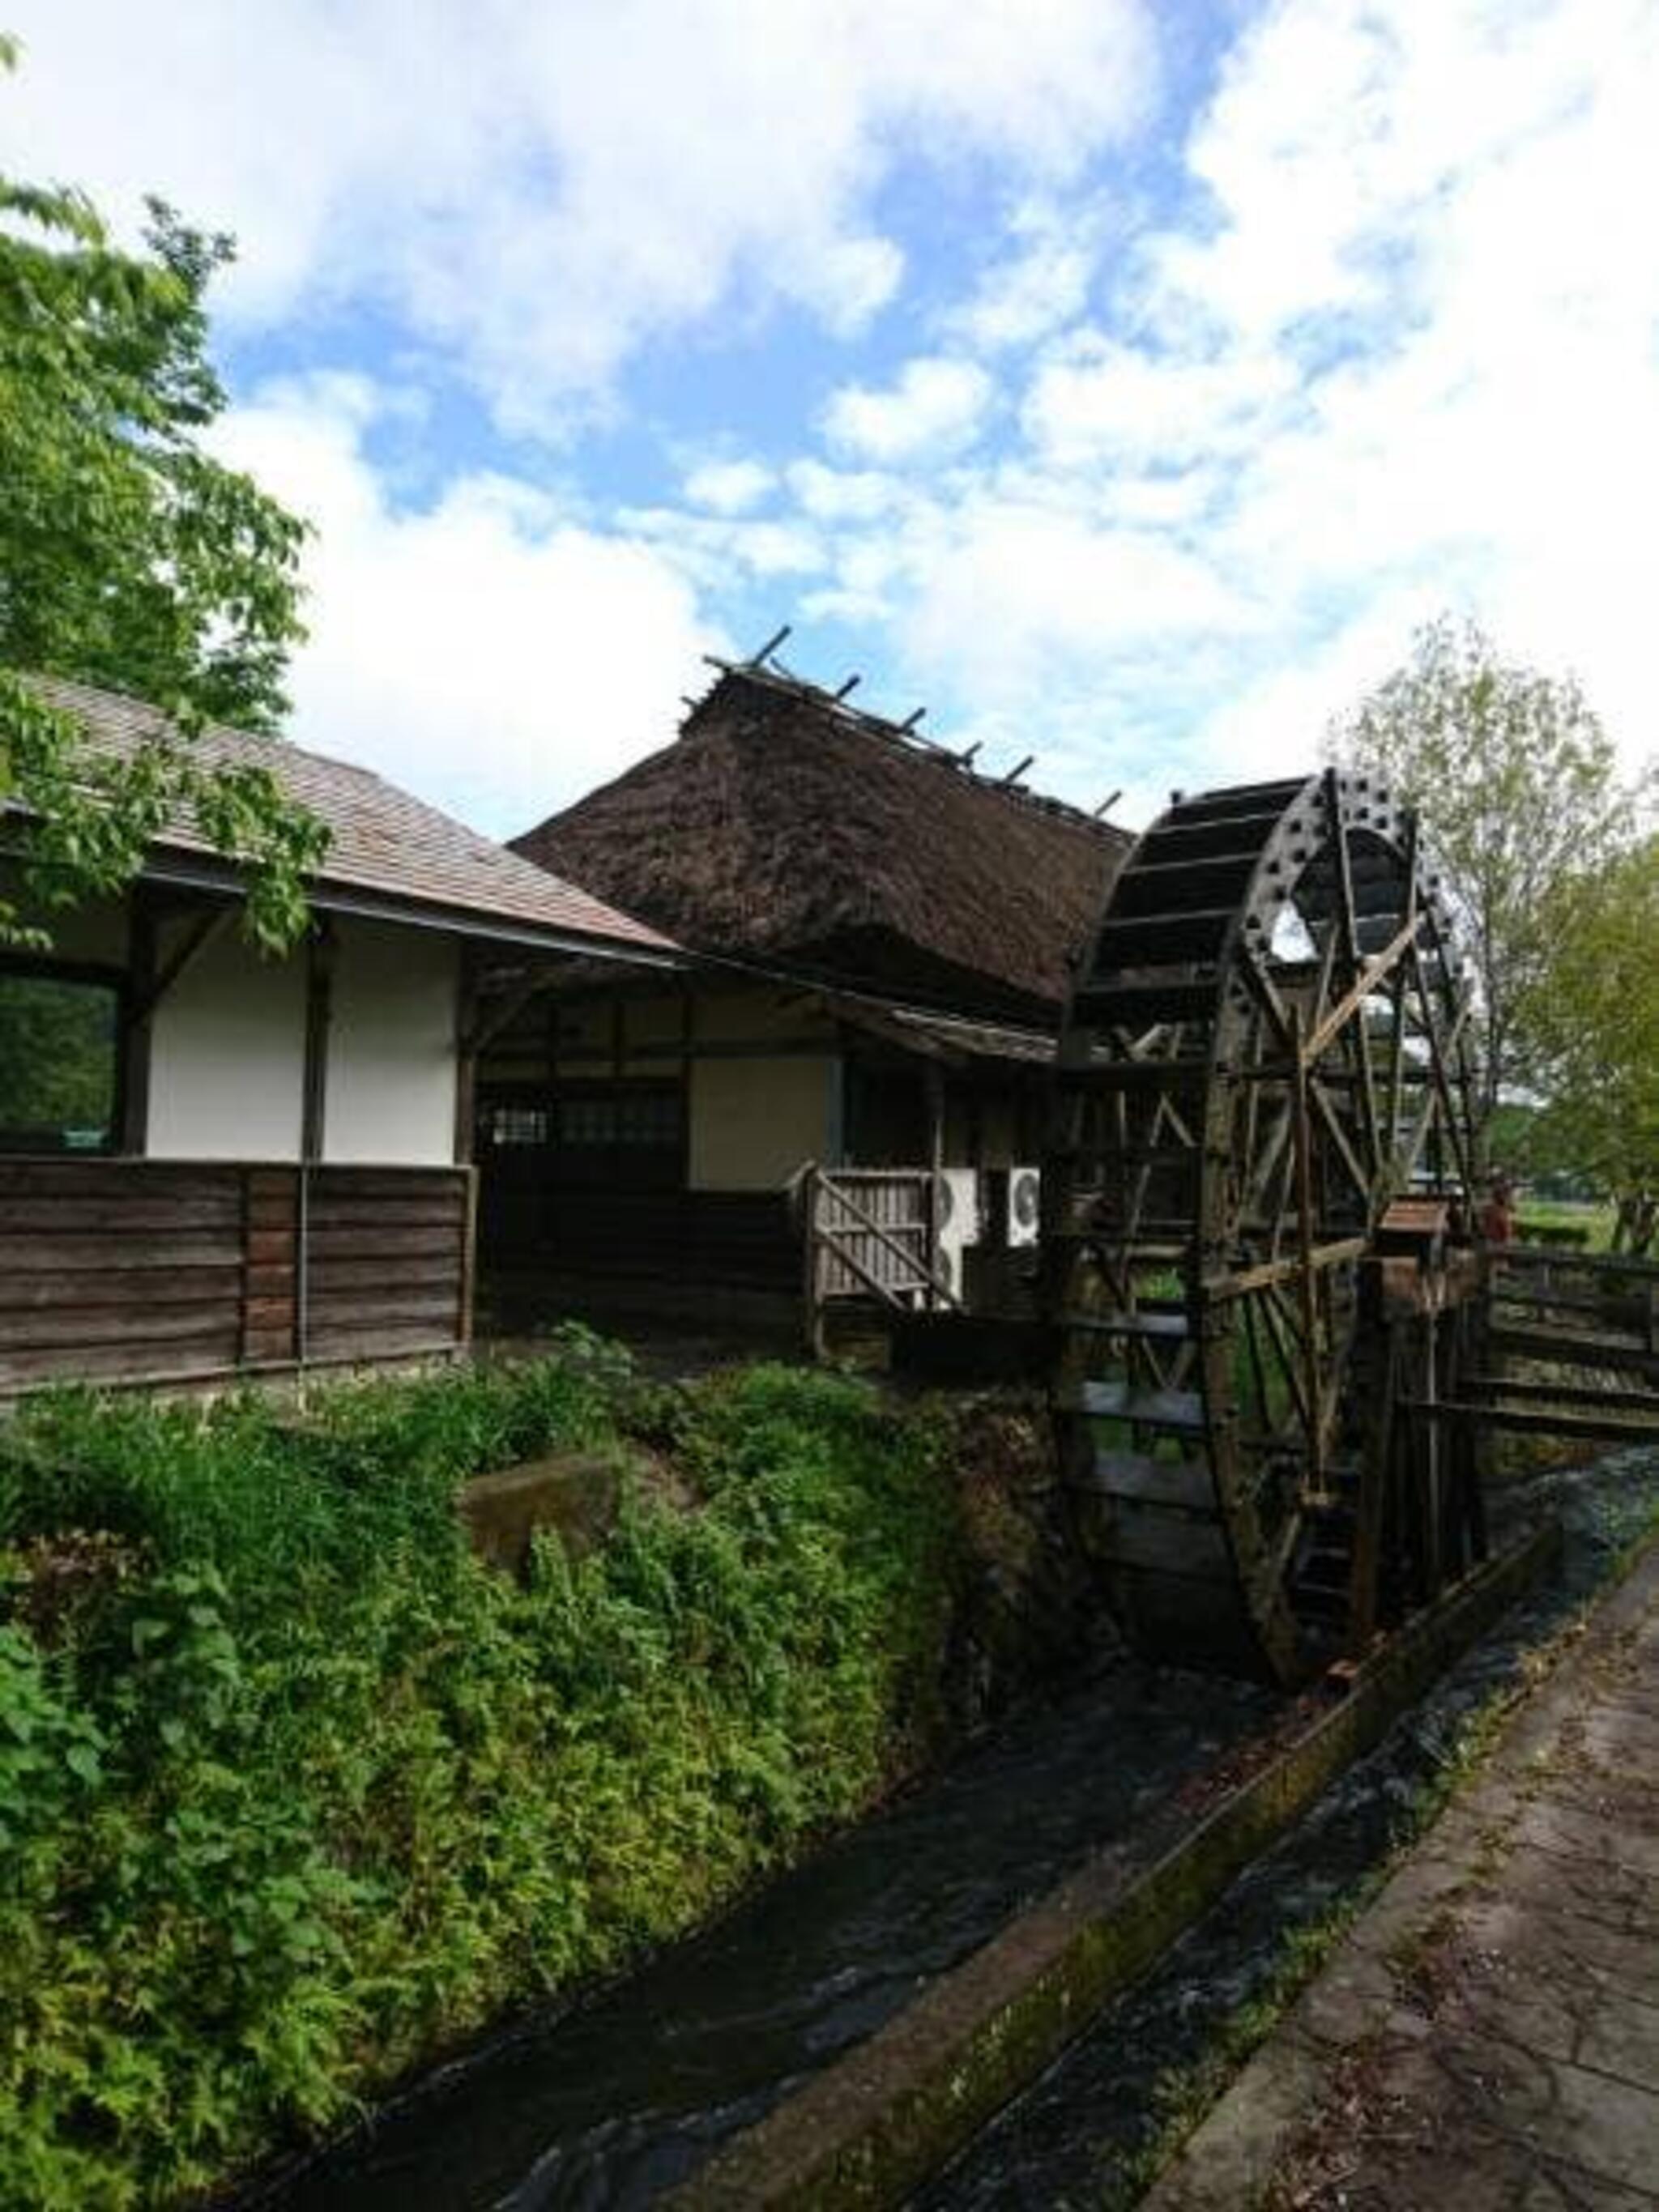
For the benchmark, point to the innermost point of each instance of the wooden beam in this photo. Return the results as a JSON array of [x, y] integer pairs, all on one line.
[[467, 1286], [202, 930], [466, 1058], [1301, 1138], [1607, 1395], [319, 1007], [1373, 971], [1280, 1271], [485, 1025], [935, 1082], [1533, 1421], [1317, 1097], [1565, 1350], [135, 1032], [1576, 1262]]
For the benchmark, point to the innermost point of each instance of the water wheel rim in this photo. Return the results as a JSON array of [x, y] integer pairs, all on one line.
[[1319, 849]]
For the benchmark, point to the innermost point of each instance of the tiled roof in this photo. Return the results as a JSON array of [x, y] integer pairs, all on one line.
[[383, 842]]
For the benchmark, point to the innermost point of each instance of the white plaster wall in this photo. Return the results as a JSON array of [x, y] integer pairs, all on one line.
[[755, 1121], [392, 1048], [227, 1067]]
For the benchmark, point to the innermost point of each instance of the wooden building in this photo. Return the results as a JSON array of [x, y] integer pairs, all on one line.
[[884, 937], [214, 1162]]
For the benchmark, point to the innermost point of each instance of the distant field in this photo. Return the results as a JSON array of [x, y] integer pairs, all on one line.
[[1566, 1213]]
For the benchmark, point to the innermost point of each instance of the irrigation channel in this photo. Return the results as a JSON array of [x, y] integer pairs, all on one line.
[[610, 2103]]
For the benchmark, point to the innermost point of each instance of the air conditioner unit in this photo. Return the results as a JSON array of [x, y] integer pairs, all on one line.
[[1024, 1203], [955, 1197]]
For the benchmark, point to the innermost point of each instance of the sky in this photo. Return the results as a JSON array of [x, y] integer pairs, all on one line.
[[1122, 383]]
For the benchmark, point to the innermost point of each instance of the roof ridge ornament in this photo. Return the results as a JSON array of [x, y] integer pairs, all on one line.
[[763, 669]]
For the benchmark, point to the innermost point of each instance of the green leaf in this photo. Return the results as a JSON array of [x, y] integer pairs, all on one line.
[[133, 559], [83, 1761]]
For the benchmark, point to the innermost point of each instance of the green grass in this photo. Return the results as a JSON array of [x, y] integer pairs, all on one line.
[[1536, 1214], [292, 1791]]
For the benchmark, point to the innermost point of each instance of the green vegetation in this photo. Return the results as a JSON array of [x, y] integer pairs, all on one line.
[[1550, 1217], [131, 558], [1516, 783], [294, 1792], [58, 1043], [1593, 1038]]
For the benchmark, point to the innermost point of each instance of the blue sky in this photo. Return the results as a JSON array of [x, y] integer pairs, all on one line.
[[1123, 382]]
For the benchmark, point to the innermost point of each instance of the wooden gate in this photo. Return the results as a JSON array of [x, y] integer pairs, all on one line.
[[870, 1234]]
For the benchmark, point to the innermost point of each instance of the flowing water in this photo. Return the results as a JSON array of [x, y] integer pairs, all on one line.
[[605, 2105], [1072, 2141]]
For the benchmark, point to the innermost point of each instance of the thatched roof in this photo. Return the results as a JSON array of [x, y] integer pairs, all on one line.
[[782, 827]]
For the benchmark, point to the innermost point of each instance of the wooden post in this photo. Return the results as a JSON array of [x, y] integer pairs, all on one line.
[[135, 1031], [935, 1079], [320, 997], [469, 1260], [1377, 1469], [466, 1058], [808, 1189]]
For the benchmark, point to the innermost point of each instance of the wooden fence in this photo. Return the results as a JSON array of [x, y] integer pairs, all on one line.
[[1547, 1303], [157, 1270], [1558, 1325], [870, 1234]]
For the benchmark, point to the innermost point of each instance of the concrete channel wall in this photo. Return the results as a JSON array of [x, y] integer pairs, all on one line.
[[872, 2127]]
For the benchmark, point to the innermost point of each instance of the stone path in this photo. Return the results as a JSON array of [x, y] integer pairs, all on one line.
[[1487, 2038]]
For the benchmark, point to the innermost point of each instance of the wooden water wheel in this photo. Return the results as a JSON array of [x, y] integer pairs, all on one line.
[[1255, 1204]]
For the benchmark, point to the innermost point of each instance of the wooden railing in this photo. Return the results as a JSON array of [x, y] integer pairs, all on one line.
[[1573, 1344], [162, 1271], [1601, 1309], [870, 1234]]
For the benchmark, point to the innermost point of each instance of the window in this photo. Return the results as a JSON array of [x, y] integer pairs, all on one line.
[[514, 1125], [626, 1135], [622, 1117], [60, 1050]]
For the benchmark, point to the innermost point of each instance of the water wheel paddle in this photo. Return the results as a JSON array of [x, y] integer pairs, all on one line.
[[1260, 1169]]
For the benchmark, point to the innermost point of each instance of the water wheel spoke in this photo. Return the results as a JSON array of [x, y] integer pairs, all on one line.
[[1271, 1035], [1319, 1098]]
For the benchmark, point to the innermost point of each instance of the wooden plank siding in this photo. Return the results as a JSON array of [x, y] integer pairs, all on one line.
[[135, 1270], [387, 1248]]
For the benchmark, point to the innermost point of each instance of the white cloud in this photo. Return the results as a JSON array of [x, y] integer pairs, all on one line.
[[936, 406], [1099, 399], [728, 487], [716, 552], [541, 188], [1401, 353], [1039, 279], [486, 651], [844, 495], [1494, 440], [1210, 425]]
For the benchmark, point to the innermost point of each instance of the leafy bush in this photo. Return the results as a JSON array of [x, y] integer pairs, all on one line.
[[293, 1789]]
